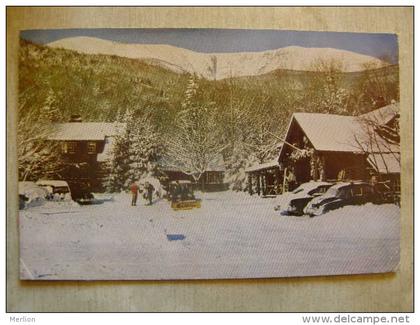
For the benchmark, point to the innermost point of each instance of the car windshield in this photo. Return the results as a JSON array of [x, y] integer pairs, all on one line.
[[298, 190], [61, 189], [319, 190], [311, 188]]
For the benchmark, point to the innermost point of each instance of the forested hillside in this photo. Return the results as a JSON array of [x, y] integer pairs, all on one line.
[[244, 112]]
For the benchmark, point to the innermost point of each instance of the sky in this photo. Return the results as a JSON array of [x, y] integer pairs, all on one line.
[[233, 40]]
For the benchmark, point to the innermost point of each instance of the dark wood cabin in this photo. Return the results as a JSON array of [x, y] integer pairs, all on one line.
[[85, 147], [332, 147]]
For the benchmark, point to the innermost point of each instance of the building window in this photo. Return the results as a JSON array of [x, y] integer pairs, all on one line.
[[69, 147], [214, 178], [72, 147], [91, 148]]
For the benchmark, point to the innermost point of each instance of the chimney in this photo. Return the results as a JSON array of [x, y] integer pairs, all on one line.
[[75, 118]]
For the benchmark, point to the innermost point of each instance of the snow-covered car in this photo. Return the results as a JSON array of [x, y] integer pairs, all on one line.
[[58, 190], [294, 202], [340, 195], [31, 194]]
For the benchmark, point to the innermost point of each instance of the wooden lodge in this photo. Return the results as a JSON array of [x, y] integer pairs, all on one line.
[[332, 147], [85, 147]]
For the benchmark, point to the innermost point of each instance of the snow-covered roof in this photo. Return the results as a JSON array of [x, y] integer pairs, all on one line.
[[384, 114], [79, 131], [385, 163], [329, 132], [267, 165], [46, 182], [340, 133]]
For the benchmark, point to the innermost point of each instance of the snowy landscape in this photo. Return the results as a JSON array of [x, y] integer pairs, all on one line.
[[233, 235]]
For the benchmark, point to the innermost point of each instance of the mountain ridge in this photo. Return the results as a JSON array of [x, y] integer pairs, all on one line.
[[222, 65]]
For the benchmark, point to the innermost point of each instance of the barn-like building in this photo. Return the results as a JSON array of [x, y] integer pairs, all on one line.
[[336, 147]]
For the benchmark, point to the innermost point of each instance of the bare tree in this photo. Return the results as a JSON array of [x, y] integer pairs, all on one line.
[[379, 141], [37, 156], [195, 142], [377, 87]]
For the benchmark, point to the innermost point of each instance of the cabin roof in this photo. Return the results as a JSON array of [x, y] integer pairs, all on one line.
[[48, 182], [385, 163], [339, 133], [328, 132], [384, 114], [84, 131]]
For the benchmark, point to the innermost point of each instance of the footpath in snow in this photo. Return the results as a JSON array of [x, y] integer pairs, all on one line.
[[232, 235]]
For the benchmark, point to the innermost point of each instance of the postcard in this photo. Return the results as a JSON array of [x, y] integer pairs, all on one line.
[[151, 154]]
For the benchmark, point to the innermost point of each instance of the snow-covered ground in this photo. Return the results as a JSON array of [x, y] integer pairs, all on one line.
[[232, 235]]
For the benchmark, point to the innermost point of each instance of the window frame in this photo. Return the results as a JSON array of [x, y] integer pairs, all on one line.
[[89, 146]]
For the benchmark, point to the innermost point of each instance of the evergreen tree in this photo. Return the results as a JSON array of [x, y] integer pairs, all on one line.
[[136, 150], [143, 149]]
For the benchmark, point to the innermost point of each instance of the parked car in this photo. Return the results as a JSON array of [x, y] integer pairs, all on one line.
[[340, 195], [58, 190], [294, 202], [81, 192], [31, 194]]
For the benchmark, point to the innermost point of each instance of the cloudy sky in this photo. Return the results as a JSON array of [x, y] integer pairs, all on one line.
[[233, 40]]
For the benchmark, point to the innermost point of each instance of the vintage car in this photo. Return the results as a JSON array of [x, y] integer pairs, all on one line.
[[294, 202], [340, 195], [31, 194], [58, 190], [182, 196]]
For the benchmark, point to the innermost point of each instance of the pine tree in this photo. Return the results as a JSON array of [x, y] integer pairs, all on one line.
[[118, 164], [136, 150], [143, 149]]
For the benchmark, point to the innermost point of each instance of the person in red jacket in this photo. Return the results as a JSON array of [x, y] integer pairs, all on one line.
[[134, 188]]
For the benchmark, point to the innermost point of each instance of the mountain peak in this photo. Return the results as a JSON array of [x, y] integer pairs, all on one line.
[[222, 65]]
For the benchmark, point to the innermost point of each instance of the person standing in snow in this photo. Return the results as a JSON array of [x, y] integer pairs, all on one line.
[[149, 192], [134, 188]]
